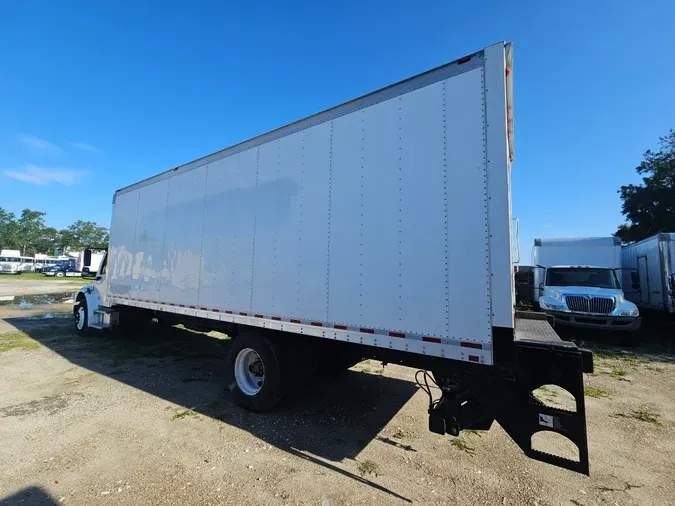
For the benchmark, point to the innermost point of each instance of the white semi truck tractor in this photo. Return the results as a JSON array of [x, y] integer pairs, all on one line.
[[381, 229]]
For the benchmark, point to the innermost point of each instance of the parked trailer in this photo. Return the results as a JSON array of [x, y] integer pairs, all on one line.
[[378, 229], [649, 268]]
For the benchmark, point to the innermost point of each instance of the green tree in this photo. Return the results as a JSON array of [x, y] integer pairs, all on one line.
[[31, 227], [8, 230], [84, 234], [47, 242], [649, 207]]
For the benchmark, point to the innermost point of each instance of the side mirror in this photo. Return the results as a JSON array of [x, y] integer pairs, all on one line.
[[87, 257]]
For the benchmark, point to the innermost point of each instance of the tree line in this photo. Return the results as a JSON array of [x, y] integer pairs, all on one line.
[[649, 207], [30, 234]]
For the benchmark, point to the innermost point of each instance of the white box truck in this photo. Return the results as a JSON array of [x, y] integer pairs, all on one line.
[[649, 268], [576, 281], [377, 229]]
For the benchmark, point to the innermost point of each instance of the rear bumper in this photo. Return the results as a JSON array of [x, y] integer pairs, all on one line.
[[626, 323]]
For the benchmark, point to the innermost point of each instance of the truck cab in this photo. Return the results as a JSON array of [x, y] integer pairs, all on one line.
[[63, 268], [586, 296]]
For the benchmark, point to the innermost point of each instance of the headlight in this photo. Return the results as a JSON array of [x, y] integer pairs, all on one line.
[[632, 312], [552, 307]]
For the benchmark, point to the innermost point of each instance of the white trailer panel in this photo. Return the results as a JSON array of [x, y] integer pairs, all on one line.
[[593, 251], [649, 265], [374, 219]]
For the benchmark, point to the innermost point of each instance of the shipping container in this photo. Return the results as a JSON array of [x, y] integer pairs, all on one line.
[[648, 272]]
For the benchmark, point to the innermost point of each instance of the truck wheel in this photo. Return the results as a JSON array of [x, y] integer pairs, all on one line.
[[255, 363], [80, 317], [60, 274]]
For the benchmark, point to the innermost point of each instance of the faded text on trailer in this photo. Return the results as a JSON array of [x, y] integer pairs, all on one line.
[[380, 229]]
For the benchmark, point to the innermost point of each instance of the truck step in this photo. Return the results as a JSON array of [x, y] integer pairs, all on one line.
[[103, 310], [99, 326]]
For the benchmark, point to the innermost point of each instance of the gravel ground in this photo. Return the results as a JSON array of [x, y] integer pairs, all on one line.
[[147, 419], [16, 285]]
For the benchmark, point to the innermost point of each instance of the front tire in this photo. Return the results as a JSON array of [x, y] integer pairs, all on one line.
[[81, 319], [60, 274], [255, 364]]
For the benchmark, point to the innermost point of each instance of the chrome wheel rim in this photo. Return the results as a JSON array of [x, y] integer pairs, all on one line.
[[79, 318], [249, 371]]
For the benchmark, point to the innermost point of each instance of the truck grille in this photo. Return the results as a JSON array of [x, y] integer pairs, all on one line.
[[596, 305]]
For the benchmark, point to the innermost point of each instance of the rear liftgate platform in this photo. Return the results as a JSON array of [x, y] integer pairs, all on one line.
[[535, 356]]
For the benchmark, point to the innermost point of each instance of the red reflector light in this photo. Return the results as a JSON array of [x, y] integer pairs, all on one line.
[[295, 321], [204, 309], [228, 312], [463, 60], [341, 327], [216, 310], [258, 316], [431, 339], [277, 318], [317, 324], [508, 71], [475, 346], [397, 334], [367, 331], [181, 305], [474, 358]]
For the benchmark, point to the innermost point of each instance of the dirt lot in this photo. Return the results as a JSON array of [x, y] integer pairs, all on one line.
[[147, 419], [20, 285]]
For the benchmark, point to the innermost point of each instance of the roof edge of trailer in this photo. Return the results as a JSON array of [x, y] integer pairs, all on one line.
[[579, 241], [661, 236], [442, 72]]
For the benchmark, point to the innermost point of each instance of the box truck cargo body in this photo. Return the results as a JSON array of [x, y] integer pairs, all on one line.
[[649, 269], [380, 228], [576, 281]]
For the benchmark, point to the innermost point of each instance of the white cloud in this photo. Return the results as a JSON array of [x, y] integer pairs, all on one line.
[[548, 225], [85, 146], [38, 175], [36, 143]]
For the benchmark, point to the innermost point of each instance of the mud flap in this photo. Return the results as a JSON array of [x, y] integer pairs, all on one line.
[[522, 415], [475, 402]]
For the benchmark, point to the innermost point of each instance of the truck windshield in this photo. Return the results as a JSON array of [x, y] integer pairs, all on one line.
[[582, 276]]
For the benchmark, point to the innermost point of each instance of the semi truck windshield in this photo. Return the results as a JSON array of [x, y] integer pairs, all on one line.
[[582, 276]]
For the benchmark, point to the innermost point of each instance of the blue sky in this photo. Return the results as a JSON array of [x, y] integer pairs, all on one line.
[[95, 97]]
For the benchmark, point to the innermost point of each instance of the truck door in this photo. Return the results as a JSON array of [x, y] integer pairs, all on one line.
[[643, 273]]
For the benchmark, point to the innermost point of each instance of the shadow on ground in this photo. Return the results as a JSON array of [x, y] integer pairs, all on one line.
[[325, 419], [29, 497]]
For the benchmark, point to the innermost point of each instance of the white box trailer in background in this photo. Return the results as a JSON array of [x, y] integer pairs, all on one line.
[[596, 251], [576, 281], [649, 268], [378, 229]]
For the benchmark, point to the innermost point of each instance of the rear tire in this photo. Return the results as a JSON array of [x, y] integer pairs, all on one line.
[[60, 274], [256, 368]]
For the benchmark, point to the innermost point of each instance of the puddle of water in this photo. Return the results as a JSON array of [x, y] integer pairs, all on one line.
[[50, 316], [28, 301]]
